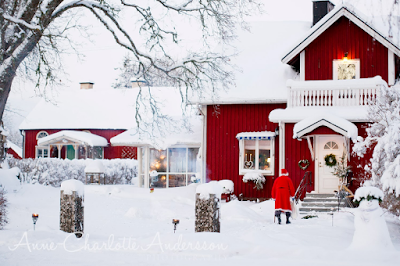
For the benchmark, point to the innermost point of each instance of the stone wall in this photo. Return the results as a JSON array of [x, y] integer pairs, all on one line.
[[207, 214], [71, 213]]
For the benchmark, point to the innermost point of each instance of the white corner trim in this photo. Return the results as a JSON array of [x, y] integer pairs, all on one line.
[[391, 68], [281, 146], [303, 65], [310, 147], [318, 124]]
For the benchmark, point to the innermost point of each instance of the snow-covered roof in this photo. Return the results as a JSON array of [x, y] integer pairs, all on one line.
[[296, 114], [370, 24], [175, 134], [94, 166], [100, 108], [256, 135], [331, 121], [75, 136], [14, 147], [263, 76]]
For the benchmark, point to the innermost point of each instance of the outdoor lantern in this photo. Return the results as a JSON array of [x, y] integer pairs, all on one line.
[[151, 190], [175, 222], [345, 56], [35, 217]]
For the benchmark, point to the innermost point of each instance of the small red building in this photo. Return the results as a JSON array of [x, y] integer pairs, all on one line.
[[95, 113], [295, 108]]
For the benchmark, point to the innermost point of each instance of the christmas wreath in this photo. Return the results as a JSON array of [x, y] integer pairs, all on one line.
[[330, 160], [303, 164]]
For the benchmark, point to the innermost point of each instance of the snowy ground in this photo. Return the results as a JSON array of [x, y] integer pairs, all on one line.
[[125, 225]]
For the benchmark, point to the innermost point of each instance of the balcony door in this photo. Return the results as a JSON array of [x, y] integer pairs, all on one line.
[[325, 181]]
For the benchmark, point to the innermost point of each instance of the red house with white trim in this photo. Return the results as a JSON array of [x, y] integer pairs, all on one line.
[[295, 108]]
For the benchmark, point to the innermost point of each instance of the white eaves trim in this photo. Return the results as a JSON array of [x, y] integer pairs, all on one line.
[[327, 21], [337, 124]]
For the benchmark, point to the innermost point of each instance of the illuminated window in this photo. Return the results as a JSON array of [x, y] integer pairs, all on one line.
[[346, 69], [174, 167], [256, 153]]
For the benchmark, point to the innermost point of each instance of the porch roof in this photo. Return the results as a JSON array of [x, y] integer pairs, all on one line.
[[67, 137], [337, 124], [296, 114]]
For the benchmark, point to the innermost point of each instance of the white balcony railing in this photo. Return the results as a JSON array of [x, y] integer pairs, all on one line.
[[333, 93]]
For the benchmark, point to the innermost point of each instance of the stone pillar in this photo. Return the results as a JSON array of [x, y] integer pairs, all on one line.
[[71, 207], [207, 213]]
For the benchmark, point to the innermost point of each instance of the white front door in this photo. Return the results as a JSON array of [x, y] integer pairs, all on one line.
[[325, 181]]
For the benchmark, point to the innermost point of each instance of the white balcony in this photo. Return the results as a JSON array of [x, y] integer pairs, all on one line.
[[334, 93]]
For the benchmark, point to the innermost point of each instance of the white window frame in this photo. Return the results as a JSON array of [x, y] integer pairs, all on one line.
[[343, 61], [243, 171], [43, 148], [186, 173], [40, 132]]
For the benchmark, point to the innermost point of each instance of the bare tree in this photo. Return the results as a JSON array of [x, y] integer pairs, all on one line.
[[30, 29]]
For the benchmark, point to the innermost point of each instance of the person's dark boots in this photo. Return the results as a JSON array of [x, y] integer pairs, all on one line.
[[287, 218], [278, 215]]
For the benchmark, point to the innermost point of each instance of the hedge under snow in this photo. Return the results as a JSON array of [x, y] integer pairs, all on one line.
[[52, 171]]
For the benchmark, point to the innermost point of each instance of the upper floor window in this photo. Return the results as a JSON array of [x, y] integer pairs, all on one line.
[[256, 152], [41, 134], [346, 69]]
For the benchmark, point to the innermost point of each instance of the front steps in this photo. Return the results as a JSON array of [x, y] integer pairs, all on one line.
[[319, 203]]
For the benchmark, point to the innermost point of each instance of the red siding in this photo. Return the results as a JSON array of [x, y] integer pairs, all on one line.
[[344, 36], [223, 124], [110, 152], [296, 150]]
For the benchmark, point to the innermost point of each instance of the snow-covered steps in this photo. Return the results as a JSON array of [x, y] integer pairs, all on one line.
[[319, 203]]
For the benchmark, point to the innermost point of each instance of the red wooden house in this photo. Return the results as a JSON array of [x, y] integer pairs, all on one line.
[[299, 106], [100, 114]]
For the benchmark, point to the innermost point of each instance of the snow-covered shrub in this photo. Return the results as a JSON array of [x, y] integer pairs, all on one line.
[[3, 208], [52, 171], [257, 178], [383, 136]]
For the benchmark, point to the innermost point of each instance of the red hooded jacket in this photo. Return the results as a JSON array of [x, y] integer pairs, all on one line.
[[282, 190]]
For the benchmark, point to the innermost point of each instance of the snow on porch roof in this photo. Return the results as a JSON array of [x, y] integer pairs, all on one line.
[[77, 136], [337, 124], [256, 135]]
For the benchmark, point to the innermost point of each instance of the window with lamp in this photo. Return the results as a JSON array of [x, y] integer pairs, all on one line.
[[256, 152], [346, 68]]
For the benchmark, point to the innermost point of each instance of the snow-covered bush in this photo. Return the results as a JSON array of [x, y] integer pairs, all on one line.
[[3, 208], [257, 178], [383, 136], [52, 171]]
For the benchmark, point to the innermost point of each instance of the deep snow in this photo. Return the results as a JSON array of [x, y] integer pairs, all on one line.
[[126, 225]]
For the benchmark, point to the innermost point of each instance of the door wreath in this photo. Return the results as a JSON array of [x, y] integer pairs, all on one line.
[[303, 164], [330, 160]]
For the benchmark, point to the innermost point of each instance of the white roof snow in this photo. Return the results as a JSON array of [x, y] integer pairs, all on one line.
[[175, 134], [294, 115], [333, 122], [15, 148], [94, 166], [262, 76], [76, 136]]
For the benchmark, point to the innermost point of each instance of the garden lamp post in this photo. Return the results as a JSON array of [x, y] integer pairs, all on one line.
[[35, 217], [175, 222]]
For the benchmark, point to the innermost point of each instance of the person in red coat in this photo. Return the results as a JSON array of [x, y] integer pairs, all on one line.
[[282, 191]]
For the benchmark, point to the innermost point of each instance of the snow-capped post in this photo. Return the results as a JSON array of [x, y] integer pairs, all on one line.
[[371, 232], [71, 207], [208, 197]]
